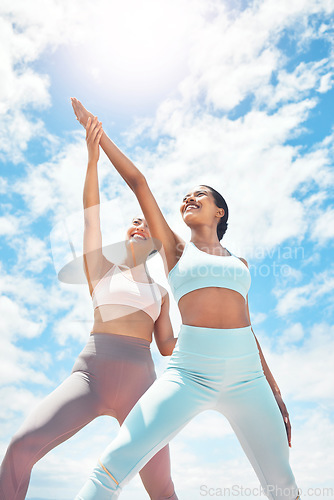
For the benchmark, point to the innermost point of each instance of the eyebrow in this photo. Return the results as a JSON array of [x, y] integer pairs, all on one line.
[[137, 218], [197, 191]]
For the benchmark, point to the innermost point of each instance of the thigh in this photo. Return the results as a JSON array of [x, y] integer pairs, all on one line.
[[255, 417], [60, 415], [165, 408], [134, 379]]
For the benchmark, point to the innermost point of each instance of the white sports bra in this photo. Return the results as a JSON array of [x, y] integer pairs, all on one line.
[[117, 288], [197, 269]]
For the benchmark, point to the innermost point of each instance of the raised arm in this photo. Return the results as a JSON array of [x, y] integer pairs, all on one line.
[[172, 244], [92, 243]]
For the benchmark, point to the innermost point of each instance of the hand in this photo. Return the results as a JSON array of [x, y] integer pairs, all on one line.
[[94, 133], [285, 415], [81, 112]]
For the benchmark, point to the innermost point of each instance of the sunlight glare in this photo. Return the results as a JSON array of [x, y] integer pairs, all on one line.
[[140, 48]]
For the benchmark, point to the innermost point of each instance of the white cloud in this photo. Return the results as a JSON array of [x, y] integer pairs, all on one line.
[[19, 366], [293, 299], [292, 86], [15, 320], [311, 455], [3, 185], [326, 83], [258, 318], [292, 334], [32, 253], [15, 401], [323, 229], [236, 55], [56, 186], [302, 368], [9, 225]]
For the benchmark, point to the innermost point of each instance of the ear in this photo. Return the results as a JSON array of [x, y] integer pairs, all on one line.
[[220, 213]]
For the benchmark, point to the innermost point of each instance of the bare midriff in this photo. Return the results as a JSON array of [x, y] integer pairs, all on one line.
[[123, 320], [214, 308]]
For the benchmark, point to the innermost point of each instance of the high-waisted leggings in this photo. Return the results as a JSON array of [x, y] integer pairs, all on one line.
[[209, 369], [108, 377]]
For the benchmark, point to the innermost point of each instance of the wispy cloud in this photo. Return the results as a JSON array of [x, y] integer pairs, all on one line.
[[293, 299]]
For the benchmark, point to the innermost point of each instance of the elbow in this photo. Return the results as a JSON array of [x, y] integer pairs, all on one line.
[[138, 181], [166, 353], [165, 350]]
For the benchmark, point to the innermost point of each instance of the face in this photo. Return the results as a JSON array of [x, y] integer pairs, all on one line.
[[199, 206], [138, 230]]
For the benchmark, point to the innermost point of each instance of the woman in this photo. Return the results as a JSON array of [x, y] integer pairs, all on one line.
[[115, 368], [217, 362]]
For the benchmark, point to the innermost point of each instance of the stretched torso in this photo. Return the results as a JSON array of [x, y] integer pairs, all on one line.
[[124, 306], [210, 289]]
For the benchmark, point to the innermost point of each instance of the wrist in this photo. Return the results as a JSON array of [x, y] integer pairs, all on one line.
[[91, 163]]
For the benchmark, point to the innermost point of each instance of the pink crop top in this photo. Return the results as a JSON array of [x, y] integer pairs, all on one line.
[[117, 288]]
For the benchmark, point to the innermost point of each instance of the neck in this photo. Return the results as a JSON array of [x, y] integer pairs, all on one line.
[[205, 235], [136, 255]]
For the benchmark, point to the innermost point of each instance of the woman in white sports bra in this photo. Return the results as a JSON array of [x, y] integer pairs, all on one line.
[[217, 362], [115, 368]]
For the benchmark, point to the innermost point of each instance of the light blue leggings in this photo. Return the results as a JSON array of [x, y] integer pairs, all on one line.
[[209, 369]]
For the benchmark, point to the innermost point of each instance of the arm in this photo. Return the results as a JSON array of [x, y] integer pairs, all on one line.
[[92, 244], [270, 378], [172, 244], [163, 331]]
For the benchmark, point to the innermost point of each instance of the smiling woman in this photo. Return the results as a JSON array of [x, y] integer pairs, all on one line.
[[115, 367]]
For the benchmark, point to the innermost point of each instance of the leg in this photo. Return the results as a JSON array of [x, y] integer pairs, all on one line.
[[156, 474], [166, 407], [58, 417], [258, 423]]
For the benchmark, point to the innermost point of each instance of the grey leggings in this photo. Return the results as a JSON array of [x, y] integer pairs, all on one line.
[[108, 377]]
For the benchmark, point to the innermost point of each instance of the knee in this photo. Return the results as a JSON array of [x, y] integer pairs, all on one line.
[[22, 448], [164, 493]]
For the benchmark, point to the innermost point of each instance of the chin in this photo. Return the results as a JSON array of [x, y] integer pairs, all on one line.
[[189, 218], [139, 241]]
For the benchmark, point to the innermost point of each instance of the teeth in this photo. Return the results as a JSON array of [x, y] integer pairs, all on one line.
[[138, 236], [191, 206]]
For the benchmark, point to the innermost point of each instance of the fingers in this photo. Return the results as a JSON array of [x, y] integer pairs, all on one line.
[[99, 135], [75, 105], [287, 426], [285, 416], [78, 111], [94, 130]]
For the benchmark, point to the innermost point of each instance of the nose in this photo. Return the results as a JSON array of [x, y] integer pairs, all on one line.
[[189, 198], [142, 227]]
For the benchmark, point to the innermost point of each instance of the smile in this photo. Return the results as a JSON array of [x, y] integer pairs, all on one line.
[[138, 235], [191, 206]]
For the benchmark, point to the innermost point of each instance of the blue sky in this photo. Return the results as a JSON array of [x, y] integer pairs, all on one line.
[[237, 95]]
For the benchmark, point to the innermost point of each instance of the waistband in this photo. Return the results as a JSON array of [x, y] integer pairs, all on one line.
[[217, 342], [109, 340]]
